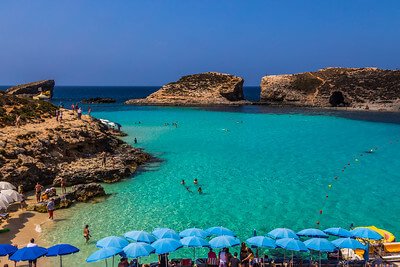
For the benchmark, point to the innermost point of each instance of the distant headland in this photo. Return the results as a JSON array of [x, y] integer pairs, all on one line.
[[347, 88]]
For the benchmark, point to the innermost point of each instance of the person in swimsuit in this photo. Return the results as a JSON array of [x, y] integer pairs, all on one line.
[[195, 181], [200, 190], [38, 191], [182, 182], [86, 233]]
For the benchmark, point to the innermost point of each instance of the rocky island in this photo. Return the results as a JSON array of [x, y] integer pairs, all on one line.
[[43, 88], [40, 148], [359, 88], [210, 88], [98, 100]]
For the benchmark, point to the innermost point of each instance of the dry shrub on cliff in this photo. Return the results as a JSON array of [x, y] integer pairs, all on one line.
[[28, 109]]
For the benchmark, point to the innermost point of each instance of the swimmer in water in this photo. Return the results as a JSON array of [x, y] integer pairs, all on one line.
[[200, 190], [195, 181], [188, 189], [183, 182]]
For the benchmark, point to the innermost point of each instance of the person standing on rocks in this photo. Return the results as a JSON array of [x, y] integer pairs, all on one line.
[[38, 191], [18, 121], [103, 159], [79, 113], [63, 186], [50, 208]]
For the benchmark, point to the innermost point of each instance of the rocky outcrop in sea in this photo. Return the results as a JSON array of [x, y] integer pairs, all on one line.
[[98, 100], [210, 88], [365, 88], [32, 89], [78, 193]]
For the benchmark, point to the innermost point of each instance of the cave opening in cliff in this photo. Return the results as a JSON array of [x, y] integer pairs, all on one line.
[[336, 99]]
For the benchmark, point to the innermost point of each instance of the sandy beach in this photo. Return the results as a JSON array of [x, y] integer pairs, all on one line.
[[23, 226]]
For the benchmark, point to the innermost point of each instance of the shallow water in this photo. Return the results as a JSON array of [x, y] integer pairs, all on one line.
[[257, 171]]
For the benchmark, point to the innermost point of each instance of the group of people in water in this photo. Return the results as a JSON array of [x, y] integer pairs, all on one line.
[[196, 183], [174, 124]]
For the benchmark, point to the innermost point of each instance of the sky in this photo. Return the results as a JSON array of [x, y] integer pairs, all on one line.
[[149, 42]]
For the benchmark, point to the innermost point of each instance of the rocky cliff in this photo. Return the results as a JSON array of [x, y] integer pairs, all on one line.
[[45, 150], [366, 88], [210, 88], [33, 88]]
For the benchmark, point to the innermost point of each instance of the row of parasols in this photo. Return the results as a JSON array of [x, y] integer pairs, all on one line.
[[8, 195], [165, 240]]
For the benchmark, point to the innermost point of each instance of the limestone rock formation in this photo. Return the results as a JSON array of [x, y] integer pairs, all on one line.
[[79, 193], [368, 88], [80, 151], [210, 88], [98, 100], [33, 88]]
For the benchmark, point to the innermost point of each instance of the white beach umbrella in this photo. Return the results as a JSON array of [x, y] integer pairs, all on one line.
[[4, 204], [16, 197], [6, 199], [6, 185]]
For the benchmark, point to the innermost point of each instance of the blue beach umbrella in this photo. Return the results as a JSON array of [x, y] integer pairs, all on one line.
[[193, 232], [139, 249], [166, 245], [366, 233], [61, 250], [261, 242], [28, 254], [140, 236], [194, 242], [104, 254], [279, 233], [312, 232], [224, 241], [219, 230], [348, 242], [291, 244], [7, 249], [320, 245], [337, 231], [112, 241], [165, 233]]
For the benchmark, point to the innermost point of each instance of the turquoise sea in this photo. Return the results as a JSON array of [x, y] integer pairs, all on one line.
[[258, 170]]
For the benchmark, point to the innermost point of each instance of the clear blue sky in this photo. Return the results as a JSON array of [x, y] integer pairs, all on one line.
[[116, 42]]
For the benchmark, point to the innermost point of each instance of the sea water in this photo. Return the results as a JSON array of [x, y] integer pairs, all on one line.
[[257, 171]]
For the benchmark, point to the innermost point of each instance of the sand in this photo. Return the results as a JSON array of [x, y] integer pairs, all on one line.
[[23, 226]]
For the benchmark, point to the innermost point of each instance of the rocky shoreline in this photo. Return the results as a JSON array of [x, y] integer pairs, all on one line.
[[35, 146], [346, 88]]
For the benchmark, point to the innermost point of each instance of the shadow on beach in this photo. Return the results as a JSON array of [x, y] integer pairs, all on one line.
[[15, 225]]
